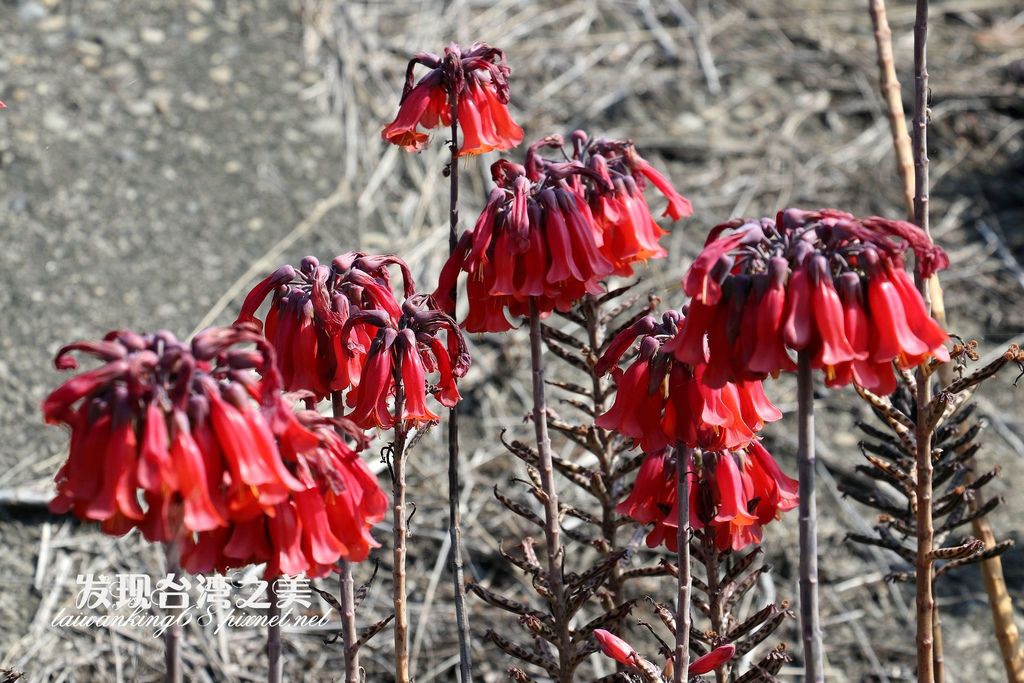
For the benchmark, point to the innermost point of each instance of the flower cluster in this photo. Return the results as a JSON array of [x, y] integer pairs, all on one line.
[[478, 78], [629, 231], [819, 282], [733, 494], [186, 442], [660, 401], [402, 353], [311, 306], [538, 238], [328, 519]]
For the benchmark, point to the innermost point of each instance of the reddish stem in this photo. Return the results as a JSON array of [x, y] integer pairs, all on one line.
[[810, 619], [349, 634], [400, 531], [454, 476], [172, 638], [682, 668], [925, 531], [275, 663]]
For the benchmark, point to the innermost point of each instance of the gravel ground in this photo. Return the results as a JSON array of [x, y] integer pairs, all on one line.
[[153, 151]]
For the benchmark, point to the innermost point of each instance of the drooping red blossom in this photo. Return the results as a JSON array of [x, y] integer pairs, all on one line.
[[404, 352], [534, 240], [615, 194], [615, 647], [821, 282], [733, 495], [552, 230], [661, 401], [195, 442], [712, 660], [479, 79], [308, 310], [624, 653], [307, 533]]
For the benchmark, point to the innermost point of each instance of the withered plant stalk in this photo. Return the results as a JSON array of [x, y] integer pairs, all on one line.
[[349, 635], [999, 598], [810, 620], [172, 638], [1001, 603], [925, 532], [552, 534], [894, 101], [275, 663], [399, 532], [454, 475], [682, 664]]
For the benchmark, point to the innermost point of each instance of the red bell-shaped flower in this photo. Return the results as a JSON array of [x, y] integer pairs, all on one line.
[[478, 80]]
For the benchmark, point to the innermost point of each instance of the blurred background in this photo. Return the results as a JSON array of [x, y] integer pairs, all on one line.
[[157, 158]]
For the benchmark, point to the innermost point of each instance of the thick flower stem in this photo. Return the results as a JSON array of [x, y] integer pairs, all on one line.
[[552, 534], [810, 620], [400, 531], [682, 664], [275, 663], [454, 475], [349, 635], [925, 532], [172, 637], [925, 538]]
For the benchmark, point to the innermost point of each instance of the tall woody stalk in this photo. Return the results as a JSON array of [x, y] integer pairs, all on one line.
[[681, 672], [454, 475], [925, 601], [552, 534], [172, 638], [349, 635], [399, 532], [275, 663], [810, 620], [999, 598], [893, 101]]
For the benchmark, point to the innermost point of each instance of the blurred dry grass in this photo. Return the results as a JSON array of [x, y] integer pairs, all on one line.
[[751, 106]]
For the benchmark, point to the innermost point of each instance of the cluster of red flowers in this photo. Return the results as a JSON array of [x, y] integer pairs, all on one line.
[[478, 78], [733, 494], [539, 240], [629, 231], [309, 309], [187, 443], [820, 282], [624, 653], [340, 327], [660, 401], [402, 353]]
